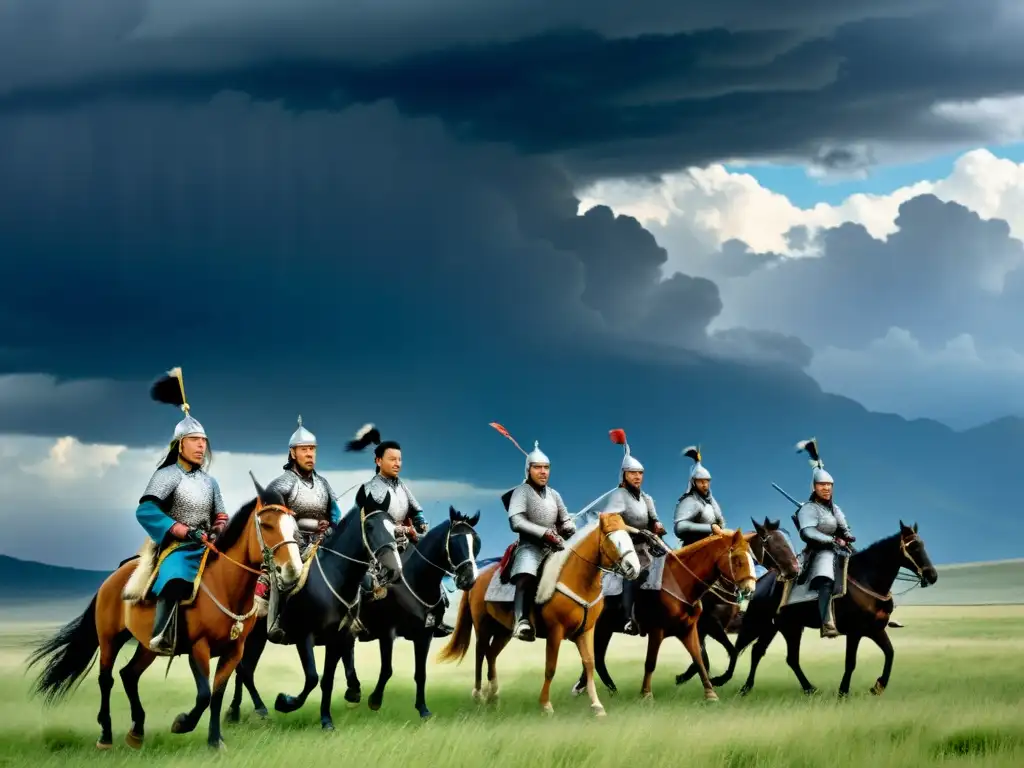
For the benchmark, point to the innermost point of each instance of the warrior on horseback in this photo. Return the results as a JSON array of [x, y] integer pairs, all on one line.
[[824, 528], [181, 507], [315, 504], [637, 510], [405, 511], [697, 513]]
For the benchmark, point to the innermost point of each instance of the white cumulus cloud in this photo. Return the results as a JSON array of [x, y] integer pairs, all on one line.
[[73, 503]]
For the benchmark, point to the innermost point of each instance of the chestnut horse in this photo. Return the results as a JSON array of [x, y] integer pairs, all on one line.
[[568, 605], [261, 533], [675, 610], [863, 610], [772, 549]]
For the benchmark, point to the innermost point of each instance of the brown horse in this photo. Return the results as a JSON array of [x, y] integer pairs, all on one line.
[[257, 535], [568, 605], [771, 549], [675, 610]]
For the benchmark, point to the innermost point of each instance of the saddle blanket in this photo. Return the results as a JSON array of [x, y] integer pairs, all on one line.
[[139, 587], [612, 582], [794, 593]]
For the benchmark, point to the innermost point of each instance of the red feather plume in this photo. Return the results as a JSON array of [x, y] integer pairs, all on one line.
[[618, 436]]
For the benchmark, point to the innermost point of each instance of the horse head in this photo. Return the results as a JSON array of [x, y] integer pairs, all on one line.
[[737, 563], [275, 540], [462, 545], [617, 545], [773, 546], [378, 533], [915, 556]]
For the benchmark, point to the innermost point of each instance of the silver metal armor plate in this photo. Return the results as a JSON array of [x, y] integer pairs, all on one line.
[[403, 503], [192, 498], [821, 525], [308, 499], [694, 517], [534, 513], [638, 513]]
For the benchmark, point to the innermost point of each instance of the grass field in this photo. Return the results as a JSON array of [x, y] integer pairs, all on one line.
[[955, 699]]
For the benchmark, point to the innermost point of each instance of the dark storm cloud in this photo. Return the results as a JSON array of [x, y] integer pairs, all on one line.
[[945, 272], [614, 88]]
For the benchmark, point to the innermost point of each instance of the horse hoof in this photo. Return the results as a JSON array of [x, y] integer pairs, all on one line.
[[598, 710], [105, 745], [326, 725], [285, 703], [577, 689], [710, 696], [374, 703], [426, 714], [745, 690], [233, 715], [262, 713], [218, 745], [133, 740], [810, 691], [647, 695], [877, 689], [353, 697], [718, 682], [843, 695], [612, 690], [547, 709]]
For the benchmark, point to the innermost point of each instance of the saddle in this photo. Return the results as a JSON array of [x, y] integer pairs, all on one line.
[[148, 560], [505, 564]]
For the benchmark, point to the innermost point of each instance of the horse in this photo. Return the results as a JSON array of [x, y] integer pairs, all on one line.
[[259, 535], [721, 610], [326, 604], [862, 610], [568, 605], [410, 608], [448, 549], [675, 609]]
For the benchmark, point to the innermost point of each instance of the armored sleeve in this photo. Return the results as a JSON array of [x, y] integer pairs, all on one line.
[[218, 500], [719, 517], [517, 518], [330, 490], [565, 521], [283, 484], [807, 517], [652, 513], [162, 485], [687, 511], [844, 527]]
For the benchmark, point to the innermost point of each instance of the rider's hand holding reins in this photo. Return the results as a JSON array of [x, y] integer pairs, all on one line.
[[551, 537]]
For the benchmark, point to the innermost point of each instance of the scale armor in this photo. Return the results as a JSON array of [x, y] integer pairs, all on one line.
[[191, 498], [403, 503], [695, 515], [308, 499], [820, 525], [534, 513], [639, 513]]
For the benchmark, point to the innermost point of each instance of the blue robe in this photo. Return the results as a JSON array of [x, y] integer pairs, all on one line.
[[183, 562]]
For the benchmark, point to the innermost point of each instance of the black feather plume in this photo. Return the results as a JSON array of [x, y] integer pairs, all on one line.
[[366, 436], [811, 446], [169, 389]]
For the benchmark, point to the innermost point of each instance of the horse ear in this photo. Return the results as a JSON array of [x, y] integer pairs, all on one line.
[[452, 513], [757, 526], [902, 526], [475, 518], [915, 527], [259, 488], [737, 536], [772, 525]]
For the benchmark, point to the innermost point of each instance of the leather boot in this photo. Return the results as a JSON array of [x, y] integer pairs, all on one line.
[[523, 609], [828, 625], [162, 641], [628, 591]]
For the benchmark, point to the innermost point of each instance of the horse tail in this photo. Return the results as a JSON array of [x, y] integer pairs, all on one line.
[[68, 655], [458, 645]]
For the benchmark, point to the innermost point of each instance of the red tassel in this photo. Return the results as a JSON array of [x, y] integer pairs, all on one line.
[[618, 436]]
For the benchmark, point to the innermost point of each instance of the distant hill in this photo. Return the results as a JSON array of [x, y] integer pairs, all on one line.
[[996, 583], [27, 581]]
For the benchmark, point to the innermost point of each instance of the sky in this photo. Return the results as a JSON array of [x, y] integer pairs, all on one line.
[[563, 217]]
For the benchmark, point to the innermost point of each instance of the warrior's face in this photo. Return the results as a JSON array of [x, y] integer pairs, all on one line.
[[823, 491], [390, 464], [304, 457], [192, 449], [539, 474], [634, 477], [703, 485]]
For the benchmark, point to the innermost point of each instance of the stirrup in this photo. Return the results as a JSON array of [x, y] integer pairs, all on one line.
[[524, 631]]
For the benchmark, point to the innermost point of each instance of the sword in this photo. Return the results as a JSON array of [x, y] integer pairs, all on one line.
[[795, 502]]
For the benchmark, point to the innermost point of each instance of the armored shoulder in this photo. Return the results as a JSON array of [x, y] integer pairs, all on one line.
[[327, 485], [687, 507], [283, 484], [616, 501], [163, 483], [376, 489], [649, 501]]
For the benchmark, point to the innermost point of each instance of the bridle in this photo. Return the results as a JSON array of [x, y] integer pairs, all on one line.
[[448, 556], [616, 565], [731, 578]]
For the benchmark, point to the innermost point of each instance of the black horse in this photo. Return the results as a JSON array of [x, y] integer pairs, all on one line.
[[773, 550], [863, 611], [330, 597], [769, 544], [411, 606]]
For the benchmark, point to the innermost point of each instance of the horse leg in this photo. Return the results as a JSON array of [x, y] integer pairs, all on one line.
[[387, 652], [498, 642], [585, 645], [702, 622], [756, 654], [654, 640], [245, 674], [284, 702], [199, 663], [793, 634], [333, 650], [421, 649], [130, 674], [227, 664], [353, 688], [483, 641], [554, 642], [717, 632], [108, 655], [852, 643], [884, 644], [691, 640]]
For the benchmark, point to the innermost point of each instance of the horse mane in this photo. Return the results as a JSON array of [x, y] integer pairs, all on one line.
[[700, 546], [236, 525], [552, 568]]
